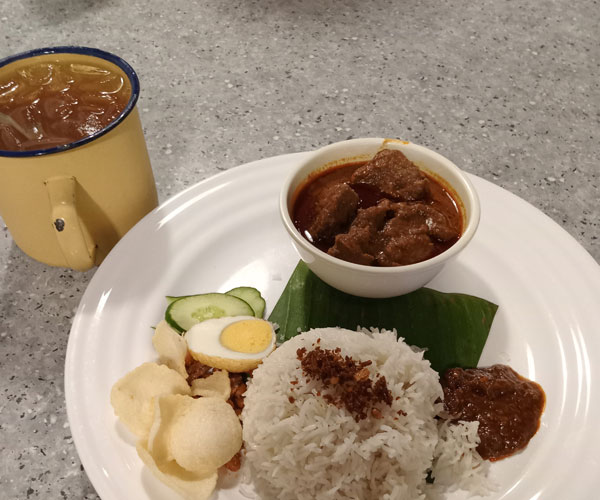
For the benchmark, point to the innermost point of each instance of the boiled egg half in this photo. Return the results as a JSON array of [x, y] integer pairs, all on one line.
[[232, 343]]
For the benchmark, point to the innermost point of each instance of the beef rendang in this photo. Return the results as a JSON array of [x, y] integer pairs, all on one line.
[[383, 212]]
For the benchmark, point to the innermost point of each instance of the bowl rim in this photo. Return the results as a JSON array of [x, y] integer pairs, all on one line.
[[472, 217]]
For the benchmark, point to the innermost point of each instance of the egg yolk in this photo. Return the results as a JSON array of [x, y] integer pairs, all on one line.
[[250, 336]]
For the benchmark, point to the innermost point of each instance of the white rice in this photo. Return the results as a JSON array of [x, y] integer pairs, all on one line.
[[305, 448]]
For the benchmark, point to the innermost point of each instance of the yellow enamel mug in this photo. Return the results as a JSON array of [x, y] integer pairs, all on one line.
[[69, 205]]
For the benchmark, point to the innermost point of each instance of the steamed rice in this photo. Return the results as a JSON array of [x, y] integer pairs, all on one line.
[[300, 447]]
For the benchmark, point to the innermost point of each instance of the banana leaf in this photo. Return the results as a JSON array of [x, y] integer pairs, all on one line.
[[451, 327]]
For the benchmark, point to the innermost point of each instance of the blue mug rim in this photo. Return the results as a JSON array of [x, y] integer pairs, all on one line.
[[88, 51]]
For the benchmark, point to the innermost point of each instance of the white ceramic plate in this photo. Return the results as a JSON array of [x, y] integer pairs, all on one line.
[[225, 232]]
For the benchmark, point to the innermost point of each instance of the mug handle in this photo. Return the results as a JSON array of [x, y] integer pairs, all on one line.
[[73, 237]]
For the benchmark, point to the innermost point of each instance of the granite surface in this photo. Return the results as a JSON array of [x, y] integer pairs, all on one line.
[[508, 90]]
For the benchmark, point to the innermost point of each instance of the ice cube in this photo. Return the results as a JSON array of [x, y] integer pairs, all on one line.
[[36, 75]]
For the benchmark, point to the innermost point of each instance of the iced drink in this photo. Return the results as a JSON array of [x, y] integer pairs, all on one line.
[[57, 103]]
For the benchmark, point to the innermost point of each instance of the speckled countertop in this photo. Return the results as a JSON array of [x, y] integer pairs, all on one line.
[[507, 90]]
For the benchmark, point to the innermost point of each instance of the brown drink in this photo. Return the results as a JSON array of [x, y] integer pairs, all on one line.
[[57, 103]]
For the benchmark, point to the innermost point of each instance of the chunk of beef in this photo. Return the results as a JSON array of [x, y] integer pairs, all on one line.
[[393, 174], [408, 236], [438, 225], [373, 217], [393, 234], [354, 246], [404, 249], [335, 209], [357, 245]]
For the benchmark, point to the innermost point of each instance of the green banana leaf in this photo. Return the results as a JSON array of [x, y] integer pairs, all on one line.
[[451, 327]]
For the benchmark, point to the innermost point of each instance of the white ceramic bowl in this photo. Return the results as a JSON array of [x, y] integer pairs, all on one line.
[[369, 281]]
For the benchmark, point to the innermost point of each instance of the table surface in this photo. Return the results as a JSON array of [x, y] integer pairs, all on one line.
[[507, 90]]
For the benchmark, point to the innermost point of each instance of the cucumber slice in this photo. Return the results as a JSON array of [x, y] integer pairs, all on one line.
[[252, 296], [187, 311]]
